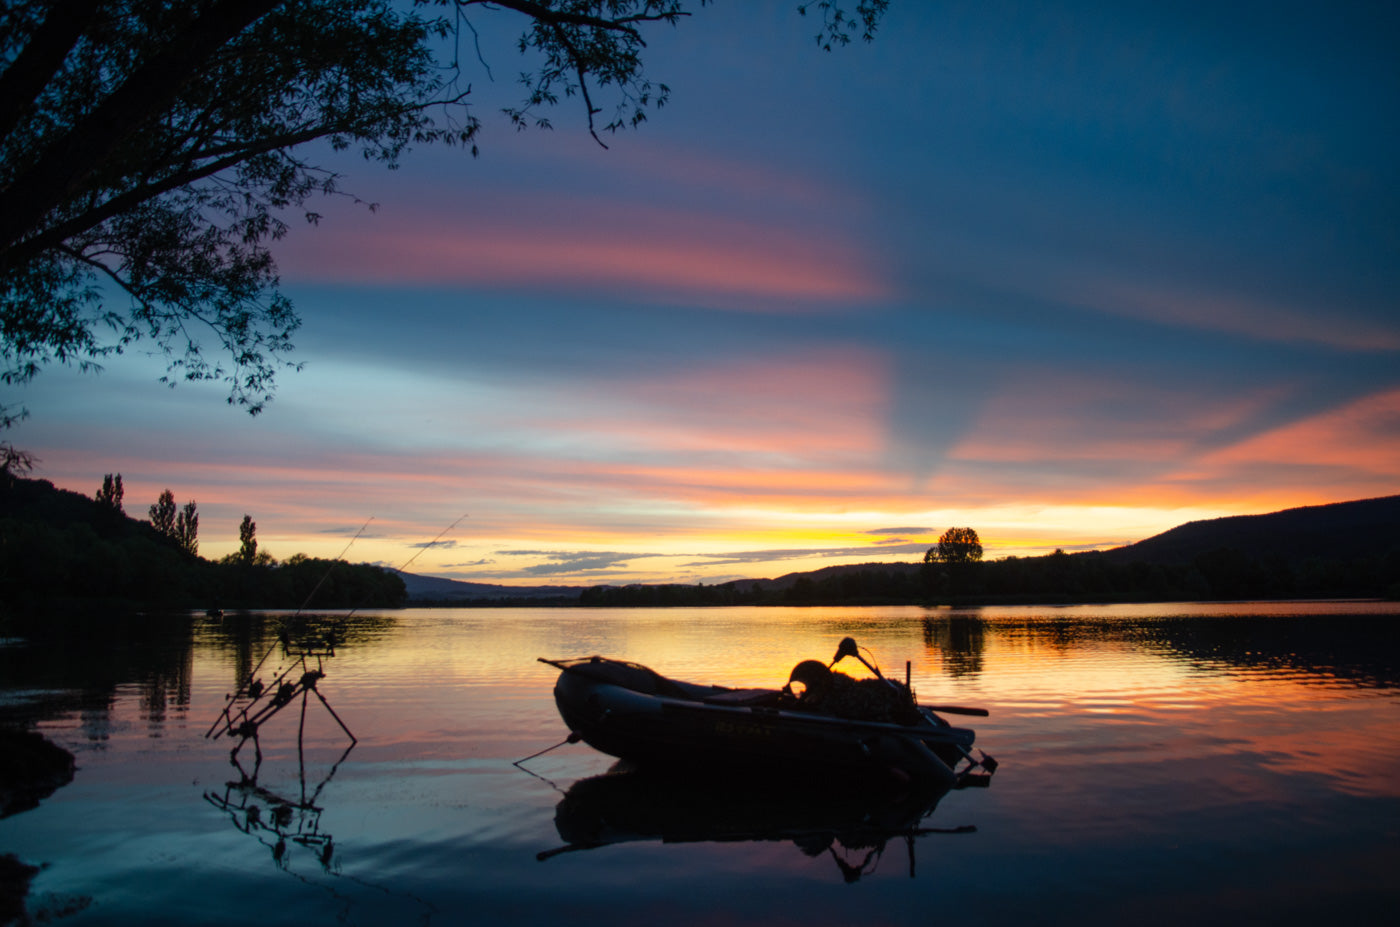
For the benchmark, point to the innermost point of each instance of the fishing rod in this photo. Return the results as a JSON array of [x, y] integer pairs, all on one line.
[[433, 541], [253, 686], [338, 558], [253, 674], [420, 552]]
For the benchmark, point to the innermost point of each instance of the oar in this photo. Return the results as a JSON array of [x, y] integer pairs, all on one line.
[[957, 710]]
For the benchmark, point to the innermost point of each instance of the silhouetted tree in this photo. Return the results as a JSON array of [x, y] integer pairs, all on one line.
[[247, 541], [150, 150], [187, 528], [110, 495], [957, 545], [958, 551], [163, 514]]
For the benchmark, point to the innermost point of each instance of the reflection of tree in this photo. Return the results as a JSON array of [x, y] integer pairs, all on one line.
[[959, 639], [167, 686], [1360, 648], [75, 665], [246, 636]]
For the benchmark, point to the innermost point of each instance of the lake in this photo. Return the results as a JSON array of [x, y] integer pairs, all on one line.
[[1159, 764]]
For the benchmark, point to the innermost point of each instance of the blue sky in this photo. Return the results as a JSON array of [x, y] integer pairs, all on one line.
[[1064, 274]]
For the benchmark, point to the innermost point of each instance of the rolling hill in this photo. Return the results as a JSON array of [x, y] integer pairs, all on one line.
[[1340, 531]]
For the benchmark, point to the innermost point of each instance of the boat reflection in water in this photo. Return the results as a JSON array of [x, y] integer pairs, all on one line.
[[852, 826]]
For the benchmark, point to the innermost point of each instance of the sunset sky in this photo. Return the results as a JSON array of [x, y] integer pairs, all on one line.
[[1070, 274]]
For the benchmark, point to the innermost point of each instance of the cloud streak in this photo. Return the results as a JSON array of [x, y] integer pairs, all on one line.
[[579, 244]]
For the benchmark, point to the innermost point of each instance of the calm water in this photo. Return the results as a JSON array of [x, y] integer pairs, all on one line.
[[1164, 764]]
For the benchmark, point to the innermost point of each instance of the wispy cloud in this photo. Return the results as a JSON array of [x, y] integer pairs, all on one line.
[[560, 562], [778, 555], [1235, 313]]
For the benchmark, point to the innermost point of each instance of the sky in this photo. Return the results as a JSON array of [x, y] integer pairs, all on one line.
[[1069, 274]]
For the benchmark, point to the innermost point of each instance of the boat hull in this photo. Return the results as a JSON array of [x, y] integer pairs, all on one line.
[[685, 729]]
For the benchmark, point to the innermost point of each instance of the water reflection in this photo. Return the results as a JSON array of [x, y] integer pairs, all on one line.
[[246, 637], [291, 828], [959, 640], [274, 819], [1361, 647], [1232, 764], [69, 666], [851, 826]]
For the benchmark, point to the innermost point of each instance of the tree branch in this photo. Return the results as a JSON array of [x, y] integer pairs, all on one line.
[[149, 89], [553, 17], [577, 59], [41, 58]]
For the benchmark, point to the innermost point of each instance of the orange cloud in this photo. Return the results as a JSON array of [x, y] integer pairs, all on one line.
[[1355, 447]]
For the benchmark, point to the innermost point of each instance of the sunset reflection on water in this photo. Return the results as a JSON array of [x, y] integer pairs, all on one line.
[[1217, 749]]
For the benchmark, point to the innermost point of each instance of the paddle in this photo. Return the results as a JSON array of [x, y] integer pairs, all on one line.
[[956, 710]]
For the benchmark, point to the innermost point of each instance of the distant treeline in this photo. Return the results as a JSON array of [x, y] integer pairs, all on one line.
[[1059, 577], [60, 548]]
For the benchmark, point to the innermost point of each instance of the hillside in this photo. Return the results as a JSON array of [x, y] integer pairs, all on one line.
[[1337, 532], [1349, 549], [436, 589], [60, 545], [61, 551]]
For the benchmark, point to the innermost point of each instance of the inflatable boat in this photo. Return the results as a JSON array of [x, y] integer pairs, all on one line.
[[823, 723]]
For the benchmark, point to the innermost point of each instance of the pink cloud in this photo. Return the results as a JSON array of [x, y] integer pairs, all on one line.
[[660, 253], [817, 405], [1046, 416], [1357, 445]]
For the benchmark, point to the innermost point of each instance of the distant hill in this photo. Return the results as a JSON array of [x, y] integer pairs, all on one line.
[[1347, 548], [788, 580], [58, 546], [436, 589], [1341, 531]]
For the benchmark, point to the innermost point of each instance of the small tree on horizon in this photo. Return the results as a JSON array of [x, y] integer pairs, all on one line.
[[187, 528], [163, 514], [110, 495], [957, 545], [248, 541], [959, 550]]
